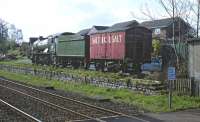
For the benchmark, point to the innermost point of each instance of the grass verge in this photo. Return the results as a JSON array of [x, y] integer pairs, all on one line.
[[151, 103], [81, 72]]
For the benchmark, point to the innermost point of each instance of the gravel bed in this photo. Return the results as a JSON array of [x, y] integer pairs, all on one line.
[[108, 104], [77, 107], [98, 101], [8, 115], [35, 108]]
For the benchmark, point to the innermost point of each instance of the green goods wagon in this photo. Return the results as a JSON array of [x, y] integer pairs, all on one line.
[[70, 46]]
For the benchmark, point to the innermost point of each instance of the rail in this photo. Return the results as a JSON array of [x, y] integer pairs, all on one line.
[[20, 112], [75, 101], [53, 105]]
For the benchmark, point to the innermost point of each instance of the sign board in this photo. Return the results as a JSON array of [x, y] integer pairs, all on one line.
[[171, 73]]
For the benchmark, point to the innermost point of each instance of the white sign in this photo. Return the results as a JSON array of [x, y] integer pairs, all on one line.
[[107, 39]]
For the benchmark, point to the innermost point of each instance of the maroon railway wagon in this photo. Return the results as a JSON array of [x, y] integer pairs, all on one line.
[[122, 45]]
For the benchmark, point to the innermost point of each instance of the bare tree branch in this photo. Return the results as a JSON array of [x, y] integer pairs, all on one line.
[[138, 18], [165, 7]]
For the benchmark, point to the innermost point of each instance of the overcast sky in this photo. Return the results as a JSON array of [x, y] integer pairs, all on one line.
[[45, 17]]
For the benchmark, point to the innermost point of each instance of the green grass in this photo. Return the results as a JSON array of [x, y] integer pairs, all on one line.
[[22, 61], [15, 52], [156, 103], [80, 72]]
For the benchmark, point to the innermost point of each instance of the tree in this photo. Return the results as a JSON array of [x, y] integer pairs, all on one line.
[[3, 30], [185, 9], [15, 34], [156, 47], [188, 10], [9, 35], [12, 32], [198, 14], [19, 36], [3, 36]]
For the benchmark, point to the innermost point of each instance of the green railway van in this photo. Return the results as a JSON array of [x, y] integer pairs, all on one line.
[[70, 46], [70, 50]]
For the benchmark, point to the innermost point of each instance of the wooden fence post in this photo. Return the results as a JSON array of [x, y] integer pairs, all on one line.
[[192, 87], [170, 94]]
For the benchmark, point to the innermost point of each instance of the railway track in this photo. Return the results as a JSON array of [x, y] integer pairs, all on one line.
[[84, 110], [43, 110], [11, 113]]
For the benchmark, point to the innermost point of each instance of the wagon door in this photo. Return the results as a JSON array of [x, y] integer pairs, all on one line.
[[117, 46]]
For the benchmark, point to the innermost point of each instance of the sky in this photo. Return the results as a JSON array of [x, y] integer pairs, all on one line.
[[46, 17]]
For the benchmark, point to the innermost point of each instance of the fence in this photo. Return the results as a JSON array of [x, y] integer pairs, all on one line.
[[195, 88], [97, 81], [182, 86], [186, 87]]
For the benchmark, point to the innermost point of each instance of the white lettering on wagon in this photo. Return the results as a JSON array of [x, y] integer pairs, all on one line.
[[115, 38]]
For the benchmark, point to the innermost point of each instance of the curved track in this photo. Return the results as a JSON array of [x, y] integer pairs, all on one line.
[[85, 110]]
